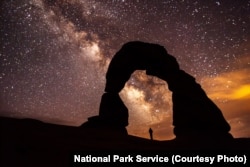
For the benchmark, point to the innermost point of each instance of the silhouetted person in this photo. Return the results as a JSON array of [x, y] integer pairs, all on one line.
[[194, 114], [150, 133]]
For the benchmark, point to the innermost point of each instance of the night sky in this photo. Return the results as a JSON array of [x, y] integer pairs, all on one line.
[[54, 55]]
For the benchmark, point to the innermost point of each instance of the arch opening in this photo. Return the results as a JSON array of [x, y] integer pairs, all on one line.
[[149, 104]]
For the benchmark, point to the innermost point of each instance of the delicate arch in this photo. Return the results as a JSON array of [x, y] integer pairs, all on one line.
[[194, 114]]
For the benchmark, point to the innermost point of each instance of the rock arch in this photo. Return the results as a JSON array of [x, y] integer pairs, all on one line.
[[194, 114]]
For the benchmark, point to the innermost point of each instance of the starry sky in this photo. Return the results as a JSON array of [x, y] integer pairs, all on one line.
[[54, 55]]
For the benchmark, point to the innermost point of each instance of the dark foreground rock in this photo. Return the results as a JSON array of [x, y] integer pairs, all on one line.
[[28, 142]]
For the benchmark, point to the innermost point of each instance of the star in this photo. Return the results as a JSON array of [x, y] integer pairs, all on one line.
[[54, 56]]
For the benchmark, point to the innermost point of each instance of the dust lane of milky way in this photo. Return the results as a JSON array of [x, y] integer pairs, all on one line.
[[54, 55]]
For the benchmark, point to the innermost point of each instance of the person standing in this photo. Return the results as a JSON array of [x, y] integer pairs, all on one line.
[[150, 133]]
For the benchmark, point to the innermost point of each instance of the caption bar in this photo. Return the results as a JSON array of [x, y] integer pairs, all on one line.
[[158, 158]]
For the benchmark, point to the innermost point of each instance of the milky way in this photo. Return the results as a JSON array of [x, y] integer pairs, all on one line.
[[54, 55]]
